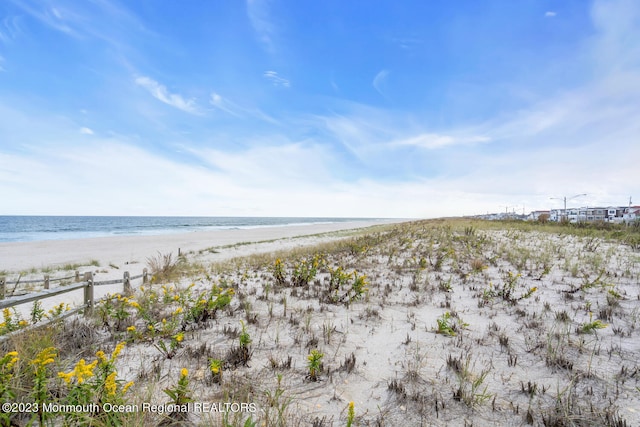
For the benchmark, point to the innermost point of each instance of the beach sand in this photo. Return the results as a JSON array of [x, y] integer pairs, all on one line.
[[459, 326], [134, 250]]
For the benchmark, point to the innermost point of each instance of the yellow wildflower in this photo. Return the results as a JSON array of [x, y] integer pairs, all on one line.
[[66, 376], [23, 323], [178, 310], [134, 304], [176, 297], [184, 372], [179, 337], [11, 358], [83, 371], [101, 356], [45, 357], [126, 387], [131, 329], [110, 384], [117, 350]]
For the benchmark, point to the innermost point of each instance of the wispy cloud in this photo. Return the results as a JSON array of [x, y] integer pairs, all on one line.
[[379, 80], [434, 140], [53, 17], [550, 14], [86, 131], [406, 42], [261, 21], [276, 79], [161, 93], [224, 104], [10, 29]]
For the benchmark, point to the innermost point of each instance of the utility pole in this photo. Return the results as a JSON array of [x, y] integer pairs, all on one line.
[[565, 201]]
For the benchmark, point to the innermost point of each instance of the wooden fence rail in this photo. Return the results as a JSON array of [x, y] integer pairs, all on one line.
[[46, 280], [87, 285]]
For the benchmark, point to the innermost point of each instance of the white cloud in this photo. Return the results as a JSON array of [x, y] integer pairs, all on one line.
[[86, 131], [223, 104], [550, 14], [161, 93], [260, 18], [276, 79], [433, 140], [379, 80]]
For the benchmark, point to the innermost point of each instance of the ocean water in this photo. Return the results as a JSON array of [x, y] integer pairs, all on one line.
[[35, 228]]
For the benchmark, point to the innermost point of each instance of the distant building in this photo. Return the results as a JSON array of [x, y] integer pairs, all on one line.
[[537, 215], [611, 214]]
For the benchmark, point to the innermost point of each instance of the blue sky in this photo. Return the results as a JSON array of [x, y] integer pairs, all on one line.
[[331, 108]]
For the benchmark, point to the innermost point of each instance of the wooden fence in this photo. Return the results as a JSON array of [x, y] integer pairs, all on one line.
[[88, 285]]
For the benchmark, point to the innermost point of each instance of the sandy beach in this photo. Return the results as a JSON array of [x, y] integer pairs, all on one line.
[[134, 250], [432, 323]]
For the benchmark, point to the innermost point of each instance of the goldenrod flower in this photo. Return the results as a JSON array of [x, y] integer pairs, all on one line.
[[10, 359], [66, 376], [110, 384], [126, 387], [101, 356], [134, 304], [45, 357], [82, 370], [117, 350]]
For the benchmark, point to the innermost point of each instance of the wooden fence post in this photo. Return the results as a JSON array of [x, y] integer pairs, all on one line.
[[77, 276], [126, 283], [46, 281], [2, 283], [145, 276], [88, 293]]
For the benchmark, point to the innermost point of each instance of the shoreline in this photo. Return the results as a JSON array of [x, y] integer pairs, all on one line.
[[16, 257]]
